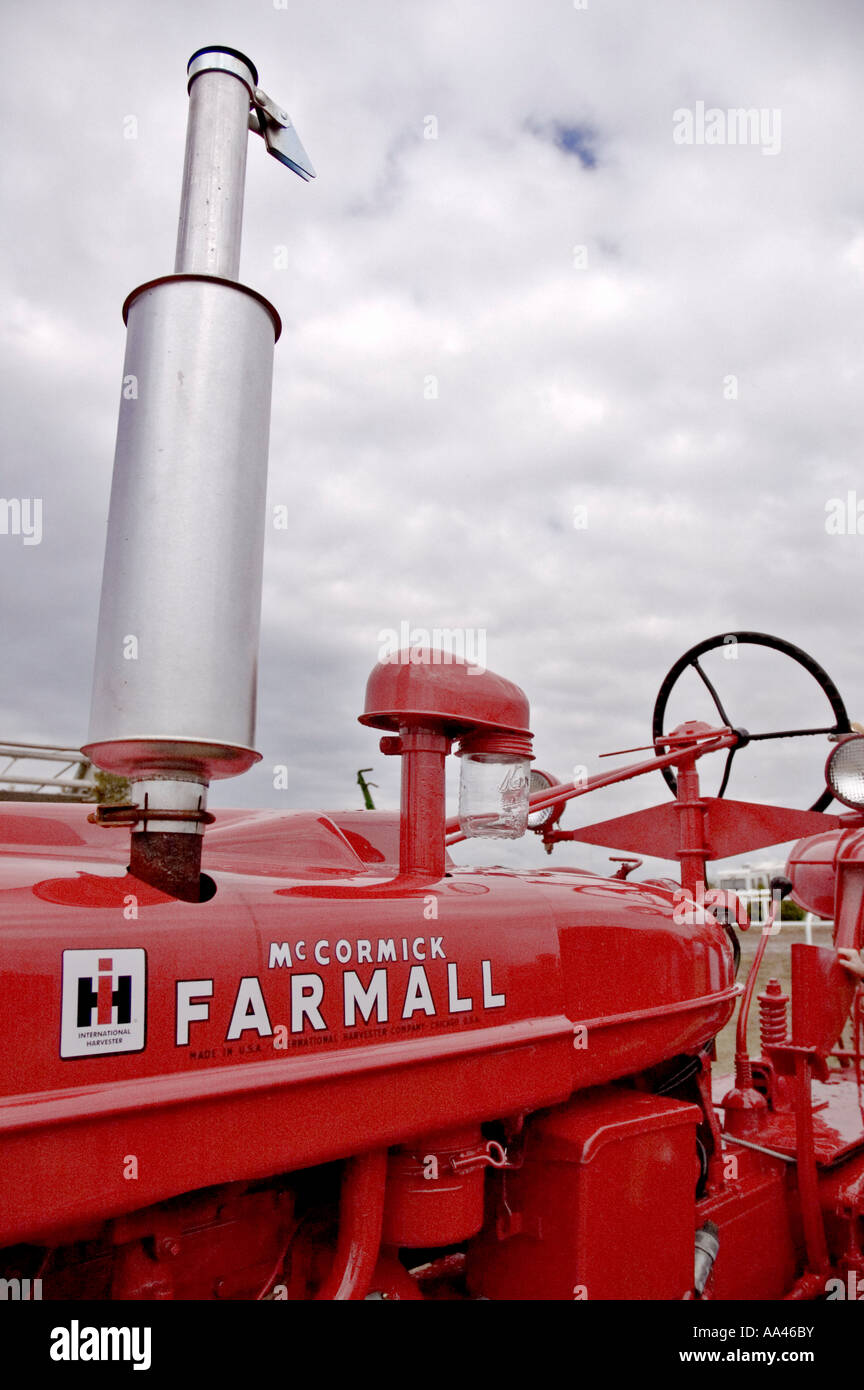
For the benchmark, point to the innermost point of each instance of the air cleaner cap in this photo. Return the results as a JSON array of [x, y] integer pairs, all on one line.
[[844, 771], [424, 685]]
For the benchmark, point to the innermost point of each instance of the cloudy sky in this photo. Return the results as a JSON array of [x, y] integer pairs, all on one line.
[[550, 373]]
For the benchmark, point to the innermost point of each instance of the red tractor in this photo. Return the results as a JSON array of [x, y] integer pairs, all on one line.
[[304, 1055]]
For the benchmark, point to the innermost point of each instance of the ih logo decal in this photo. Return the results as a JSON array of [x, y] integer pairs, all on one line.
[[104, 1002]]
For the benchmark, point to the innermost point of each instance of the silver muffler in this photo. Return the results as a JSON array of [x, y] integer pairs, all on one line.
[[176, 660]]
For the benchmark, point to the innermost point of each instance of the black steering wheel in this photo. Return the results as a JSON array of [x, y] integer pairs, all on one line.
[[758, 639]]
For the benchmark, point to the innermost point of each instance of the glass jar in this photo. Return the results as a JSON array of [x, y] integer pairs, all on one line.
[[493, 794]]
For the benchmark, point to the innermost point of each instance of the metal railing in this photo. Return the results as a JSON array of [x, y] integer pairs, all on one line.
[[69, 779]]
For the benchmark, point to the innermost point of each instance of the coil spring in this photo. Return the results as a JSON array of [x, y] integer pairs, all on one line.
[[772, 1014]]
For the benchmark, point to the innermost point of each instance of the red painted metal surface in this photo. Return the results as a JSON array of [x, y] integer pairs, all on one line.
[[354, 1050], [483, 1011], [758, 1258], [361, 1213], [731, 827], [602, 1207], [811, 868], [434, 688], [435, 1190], [822, 994], [421, 840]]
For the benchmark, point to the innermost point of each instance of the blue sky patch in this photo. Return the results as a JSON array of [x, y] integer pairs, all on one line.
[[576, 140]]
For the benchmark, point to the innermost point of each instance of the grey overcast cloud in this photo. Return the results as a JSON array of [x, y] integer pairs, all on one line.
[[571, 362]]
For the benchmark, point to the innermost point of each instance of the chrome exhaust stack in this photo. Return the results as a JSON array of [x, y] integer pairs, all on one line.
[[174, 688]]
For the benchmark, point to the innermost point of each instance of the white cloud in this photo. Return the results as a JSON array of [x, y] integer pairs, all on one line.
[[452, 258]]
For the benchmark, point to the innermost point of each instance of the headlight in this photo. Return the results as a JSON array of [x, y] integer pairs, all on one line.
[[540, 782], [844, 771]]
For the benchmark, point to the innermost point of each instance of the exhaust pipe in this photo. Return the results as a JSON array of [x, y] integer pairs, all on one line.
[[174, 688]]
